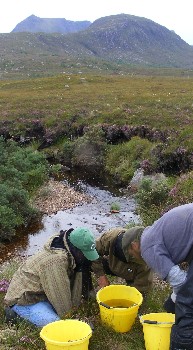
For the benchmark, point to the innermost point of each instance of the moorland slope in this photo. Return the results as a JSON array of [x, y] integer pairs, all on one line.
[[114, 44]]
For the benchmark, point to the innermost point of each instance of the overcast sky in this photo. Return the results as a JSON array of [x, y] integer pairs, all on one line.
[[173, 14]]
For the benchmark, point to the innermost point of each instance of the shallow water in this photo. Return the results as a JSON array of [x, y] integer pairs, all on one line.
[[95, 216]]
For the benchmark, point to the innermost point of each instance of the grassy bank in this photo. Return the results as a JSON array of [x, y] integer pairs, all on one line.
[[26, 336]]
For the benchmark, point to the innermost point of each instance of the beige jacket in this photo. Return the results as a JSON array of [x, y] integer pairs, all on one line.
[[48, 275]]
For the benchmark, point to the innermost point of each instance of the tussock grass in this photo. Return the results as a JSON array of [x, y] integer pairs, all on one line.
[[127, 99]]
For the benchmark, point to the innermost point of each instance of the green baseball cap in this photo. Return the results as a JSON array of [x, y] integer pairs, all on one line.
[[83, 239]]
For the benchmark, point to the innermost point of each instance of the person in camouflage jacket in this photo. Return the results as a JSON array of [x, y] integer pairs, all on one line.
[[112, 247]]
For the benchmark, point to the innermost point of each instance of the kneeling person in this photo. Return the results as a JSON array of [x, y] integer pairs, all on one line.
[[47, 285]]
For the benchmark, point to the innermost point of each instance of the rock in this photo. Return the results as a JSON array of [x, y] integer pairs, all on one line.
[[136, 180], [139, 176]]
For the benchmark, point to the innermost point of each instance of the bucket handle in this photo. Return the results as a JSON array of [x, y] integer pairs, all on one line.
[[111, 307], [150, 322], [154, 322], [105, 305]]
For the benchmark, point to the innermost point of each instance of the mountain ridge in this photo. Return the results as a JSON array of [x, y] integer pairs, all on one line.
[[34, 24], [115, 43]]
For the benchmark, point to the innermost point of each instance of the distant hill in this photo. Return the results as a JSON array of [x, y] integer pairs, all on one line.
[[110, 44], [137, 40], [34, 24]]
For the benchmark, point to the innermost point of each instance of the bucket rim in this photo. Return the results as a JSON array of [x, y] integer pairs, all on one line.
[[118, 285], [51, 341], [78, 341], [154, 322], [122, 286]]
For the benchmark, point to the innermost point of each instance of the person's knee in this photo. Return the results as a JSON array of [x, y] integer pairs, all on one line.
[[39, 314]]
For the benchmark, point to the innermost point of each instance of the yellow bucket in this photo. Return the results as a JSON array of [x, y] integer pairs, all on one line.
[[66, 335], [157, 329], [119, 306]]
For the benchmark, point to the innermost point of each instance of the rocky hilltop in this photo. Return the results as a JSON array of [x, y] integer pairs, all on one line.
[[34, 24], [114, 44]]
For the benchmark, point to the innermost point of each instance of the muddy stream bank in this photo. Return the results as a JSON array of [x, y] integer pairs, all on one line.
[[89, 204]]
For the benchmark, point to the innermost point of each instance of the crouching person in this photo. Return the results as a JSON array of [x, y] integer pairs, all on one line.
[[115, 259], [51, 282]]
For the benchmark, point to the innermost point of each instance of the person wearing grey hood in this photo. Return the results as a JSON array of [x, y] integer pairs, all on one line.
[[166, 246], [114, 259]]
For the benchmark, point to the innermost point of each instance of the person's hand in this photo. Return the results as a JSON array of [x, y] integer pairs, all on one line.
[[103, 281]]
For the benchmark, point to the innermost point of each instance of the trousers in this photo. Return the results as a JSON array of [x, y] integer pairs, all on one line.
[[39, 314], [182, 331]]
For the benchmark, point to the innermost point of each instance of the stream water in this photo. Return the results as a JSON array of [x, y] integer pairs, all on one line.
[[95, 215]]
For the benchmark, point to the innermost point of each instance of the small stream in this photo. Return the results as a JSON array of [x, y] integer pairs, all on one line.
[[95, 215]]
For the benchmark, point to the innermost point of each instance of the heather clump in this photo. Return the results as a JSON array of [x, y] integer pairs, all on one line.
[[151, 198], [22, 170], [171, 158], [155, 198], [182, 190], [118, 133]]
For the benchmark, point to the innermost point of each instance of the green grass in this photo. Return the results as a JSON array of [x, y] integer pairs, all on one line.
[[163, 103], [26, 336]]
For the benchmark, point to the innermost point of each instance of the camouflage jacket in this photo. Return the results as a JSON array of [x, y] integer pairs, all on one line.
[[136, 273]]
